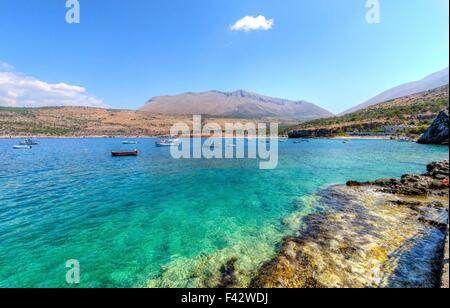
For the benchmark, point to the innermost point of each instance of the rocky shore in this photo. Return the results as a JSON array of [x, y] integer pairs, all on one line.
[[387, 233]]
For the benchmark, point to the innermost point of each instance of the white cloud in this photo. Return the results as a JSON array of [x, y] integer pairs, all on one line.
[[250, 23], [5, 67], [19, 90]]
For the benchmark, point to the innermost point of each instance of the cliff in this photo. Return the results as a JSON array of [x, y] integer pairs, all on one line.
[[438, 131]]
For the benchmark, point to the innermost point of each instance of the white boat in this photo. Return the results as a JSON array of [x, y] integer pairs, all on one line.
[[130, 142], [404, 140], [29, 142], [167, 142], [22, 147]]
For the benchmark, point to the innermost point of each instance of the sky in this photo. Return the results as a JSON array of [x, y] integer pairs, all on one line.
[[122, 53]]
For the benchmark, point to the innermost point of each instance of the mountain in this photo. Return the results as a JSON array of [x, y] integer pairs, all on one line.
[[416, 111], [238, 104], [430, 82]]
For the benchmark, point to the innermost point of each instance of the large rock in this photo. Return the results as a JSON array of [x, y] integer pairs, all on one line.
[[364, 239], [438, 131]]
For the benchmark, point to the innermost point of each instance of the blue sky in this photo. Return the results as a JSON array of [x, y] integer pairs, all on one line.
[[124, 52]]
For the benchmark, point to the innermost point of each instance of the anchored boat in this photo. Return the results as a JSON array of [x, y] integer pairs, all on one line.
[[29, 142], [22, 147], [130, 153], [130, 142], [167, 142]]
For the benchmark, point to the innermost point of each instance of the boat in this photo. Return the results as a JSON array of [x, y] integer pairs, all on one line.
[[283, 140], [29, 142], [22, 147], [130, 142], [405, 139], [346, 141], [167, 142], [300, 141], [130, 153]]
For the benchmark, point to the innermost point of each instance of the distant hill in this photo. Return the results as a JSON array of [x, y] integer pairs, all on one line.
[[84, 121], [430, 82], [417, 110], [238, 104]]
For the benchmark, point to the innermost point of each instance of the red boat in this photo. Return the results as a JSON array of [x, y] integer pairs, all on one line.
[[132, 153]]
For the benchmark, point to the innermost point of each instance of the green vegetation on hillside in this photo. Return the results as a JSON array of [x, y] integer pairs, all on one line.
[[20, 111], [417, 110]]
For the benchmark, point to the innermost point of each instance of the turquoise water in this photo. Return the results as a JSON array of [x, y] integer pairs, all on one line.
[[155, 221]]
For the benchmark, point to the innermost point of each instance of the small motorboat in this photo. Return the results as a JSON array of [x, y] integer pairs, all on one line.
[[130, 142], [130, 153], [300, 141], [404, 139], [29, 142], [22, 147], [167, 143]]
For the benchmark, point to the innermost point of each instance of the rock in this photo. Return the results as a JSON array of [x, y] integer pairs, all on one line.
[[228, 278], [445, 272], [354, 184], [386, 182], [368, 243], [438, 131], [365, 239], [438, 169], [431, 183], [440, 177]]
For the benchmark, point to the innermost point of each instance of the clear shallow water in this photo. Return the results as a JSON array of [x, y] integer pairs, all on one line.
[[152, 220]]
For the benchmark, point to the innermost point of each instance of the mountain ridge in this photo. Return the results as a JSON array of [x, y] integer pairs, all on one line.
[[239, 103], [429, 82]]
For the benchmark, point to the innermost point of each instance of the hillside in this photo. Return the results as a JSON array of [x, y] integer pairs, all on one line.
[[417, 110], [433, 81], [238, 104], [83, 121]]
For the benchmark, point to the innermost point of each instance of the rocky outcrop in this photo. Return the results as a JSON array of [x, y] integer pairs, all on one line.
[[369, 235], [438, 131], [435, 181], [331, 132]]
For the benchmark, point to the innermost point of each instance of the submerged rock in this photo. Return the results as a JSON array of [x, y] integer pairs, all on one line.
[[228, 277], [369, 236], [438, 131]]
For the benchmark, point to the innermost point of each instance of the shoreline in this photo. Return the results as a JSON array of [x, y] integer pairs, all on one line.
[[362, 138], [165, 136], [388, 233]]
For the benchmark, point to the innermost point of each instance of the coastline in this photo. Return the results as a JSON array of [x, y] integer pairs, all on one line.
[[362, 137], [388, 233], [165, 136]]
